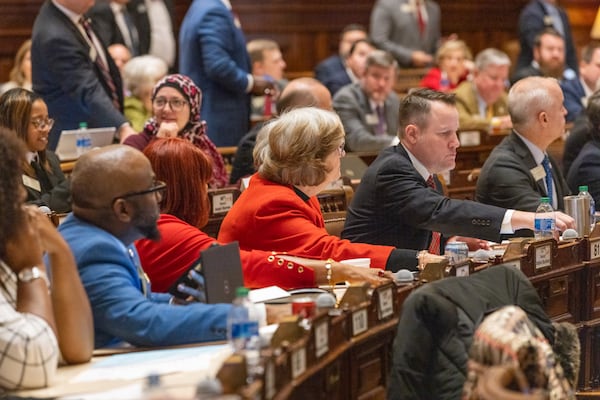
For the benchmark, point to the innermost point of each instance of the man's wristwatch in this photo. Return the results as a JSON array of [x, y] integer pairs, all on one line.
[[30, 274]]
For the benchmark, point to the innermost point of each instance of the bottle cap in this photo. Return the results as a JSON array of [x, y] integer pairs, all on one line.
[[545, 200], [83, 125], [583, 188], [242, 291]]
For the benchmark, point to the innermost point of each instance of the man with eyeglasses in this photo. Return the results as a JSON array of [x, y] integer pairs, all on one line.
[[115, 202], [481, 102]]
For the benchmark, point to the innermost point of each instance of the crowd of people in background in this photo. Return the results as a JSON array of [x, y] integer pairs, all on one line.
[[116, 64]]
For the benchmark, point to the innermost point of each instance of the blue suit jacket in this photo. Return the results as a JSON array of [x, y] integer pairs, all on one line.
[[66, 77], [573, 92], [585, 170], [331, 72], [394, 206], [532, 20], [107, 268], [212, 51]]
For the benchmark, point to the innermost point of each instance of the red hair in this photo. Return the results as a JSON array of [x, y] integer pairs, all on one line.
[[186, 170]]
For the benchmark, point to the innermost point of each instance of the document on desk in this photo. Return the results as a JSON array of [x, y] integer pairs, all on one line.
[[141, 364]]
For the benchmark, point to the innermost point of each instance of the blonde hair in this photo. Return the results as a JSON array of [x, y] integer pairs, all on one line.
[[292, 148], [16, 75], [450, 46]]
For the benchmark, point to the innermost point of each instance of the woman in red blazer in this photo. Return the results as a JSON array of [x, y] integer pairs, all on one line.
[[299, 155], [184, 209]]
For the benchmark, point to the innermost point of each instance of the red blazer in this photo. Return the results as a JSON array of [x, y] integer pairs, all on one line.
[[180, 245], [433, 80], [270, 216]]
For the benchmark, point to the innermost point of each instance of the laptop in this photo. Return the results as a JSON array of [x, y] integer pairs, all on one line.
[[353, 167], [67, 143], [221, 268]]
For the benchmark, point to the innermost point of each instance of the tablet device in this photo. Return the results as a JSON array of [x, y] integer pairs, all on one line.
[[221, 268], [67, 143]]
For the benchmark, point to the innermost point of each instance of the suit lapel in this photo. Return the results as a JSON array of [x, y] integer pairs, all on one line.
[[523, 152]]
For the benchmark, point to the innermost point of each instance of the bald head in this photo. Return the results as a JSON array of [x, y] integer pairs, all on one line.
[[103, 174], [304, 92]]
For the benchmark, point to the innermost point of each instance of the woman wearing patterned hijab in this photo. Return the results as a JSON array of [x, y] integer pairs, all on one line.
[[176, 102]]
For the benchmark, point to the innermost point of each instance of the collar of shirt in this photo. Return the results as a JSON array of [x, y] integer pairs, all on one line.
[[31, 156], [586, 89], [536, 152], [421, 169], [74, 17], [481, 104], [419, 3], [227, 4], [353, 78], [374, 105], [116, 7]]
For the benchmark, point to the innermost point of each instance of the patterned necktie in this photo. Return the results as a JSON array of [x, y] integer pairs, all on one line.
[[548, 178], [420, 20], [436, 237], [381, 125], [85, 23]]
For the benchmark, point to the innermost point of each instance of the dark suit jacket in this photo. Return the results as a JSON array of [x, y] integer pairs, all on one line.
[[139, 14], [104, 23], [532, 20], [506, 180], [331, 72], [66, 77], [393, 205], [243, 161], [352, 105], [55, 193], [216, 59], [524, 72], [579, 135], [585, 170], [573, 92]]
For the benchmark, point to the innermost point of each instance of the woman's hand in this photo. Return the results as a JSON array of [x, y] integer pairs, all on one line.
[[167, 130], [352, 274]]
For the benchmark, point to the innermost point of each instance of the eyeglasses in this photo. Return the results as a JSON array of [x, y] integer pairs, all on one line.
[[158, 187], [42, 123], [341, 149], [175, 104]]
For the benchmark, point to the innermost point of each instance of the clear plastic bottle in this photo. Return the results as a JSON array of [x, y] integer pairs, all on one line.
[[544, 226], [583, 191], [84, 141], [242, 328]]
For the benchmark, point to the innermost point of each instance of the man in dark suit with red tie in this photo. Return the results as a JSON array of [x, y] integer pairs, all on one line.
[[73, 72], [394, 203]]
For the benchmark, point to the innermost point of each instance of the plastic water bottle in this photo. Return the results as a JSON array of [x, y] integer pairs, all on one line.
[[242, 327], [544, 225], [154, 389], [84, 141], [583, 191]]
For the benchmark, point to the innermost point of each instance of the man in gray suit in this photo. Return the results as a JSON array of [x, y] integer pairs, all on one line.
[[409, 29], [519, 172], [369, 109]]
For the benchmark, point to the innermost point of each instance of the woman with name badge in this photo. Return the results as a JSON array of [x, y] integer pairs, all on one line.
[[26, 114]]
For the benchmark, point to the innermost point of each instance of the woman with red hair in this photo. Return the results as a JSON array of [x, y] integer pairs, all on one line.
[[184, 210]]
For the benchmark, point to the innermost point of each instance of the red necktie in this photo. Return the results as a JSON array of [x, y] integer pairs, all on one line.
[[101, 65], [434, 246], [420, 19]]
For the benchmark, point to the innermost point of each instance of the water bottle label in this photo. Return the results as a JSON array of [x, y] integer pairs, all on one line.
[[544, 224], [244, 329]]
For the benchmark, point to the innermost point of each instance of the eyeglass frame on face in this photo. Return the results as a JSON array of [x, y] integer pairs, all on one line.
[[174, 103], [42, 123], [342, 149], [158, 188]]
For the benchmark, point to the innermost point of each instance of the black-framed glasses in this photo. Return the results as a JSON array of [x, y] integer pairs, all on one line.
[[42, 123], [175, 104], [158, 188]]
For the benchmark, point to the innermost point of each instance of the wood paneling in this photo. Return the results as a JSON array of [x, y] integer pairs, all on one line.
[[308, 30]]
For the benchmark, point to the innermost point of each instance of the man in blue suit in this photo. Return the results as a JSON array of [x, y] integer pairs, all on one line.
[[115, 202], [66, 72], [213, 53], [579, 89], [537, 16], [332, 71]]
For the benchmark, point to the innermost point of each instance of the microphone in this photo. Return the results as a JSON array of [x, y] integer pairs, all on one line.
[[45, 210], [325, 301], [570, 234], [404, 276]]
